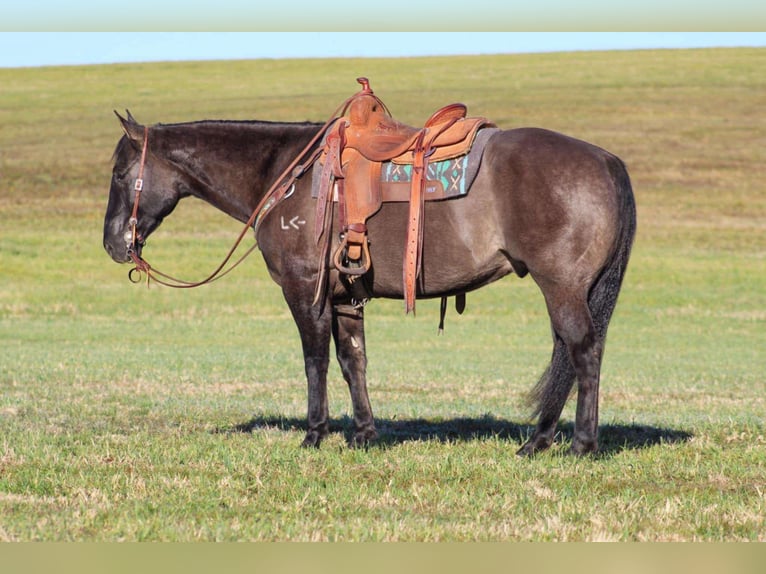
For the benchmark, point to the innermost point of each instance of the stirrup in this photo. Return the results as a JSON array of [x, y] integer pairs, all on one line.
[[360, 266]]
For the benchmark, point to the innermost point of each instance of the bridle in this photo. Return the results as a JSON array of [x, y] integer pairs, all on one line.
[[133, 238], [282, 188]]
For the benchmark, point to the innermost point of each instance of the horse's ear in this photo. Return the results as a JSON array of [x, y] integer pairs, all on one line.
[[131, 127]]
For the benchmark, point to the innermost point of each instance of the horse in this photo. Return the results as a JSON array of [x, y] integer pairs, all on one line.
[[543, 204]]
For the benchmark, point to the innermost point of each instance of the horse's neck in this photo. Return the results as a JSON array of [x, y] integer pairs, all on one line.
[[241, 163]]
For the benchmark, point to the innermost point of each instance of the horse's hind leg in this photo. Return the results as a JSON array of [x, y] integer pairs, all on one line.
[[576, 354], [348, 332], [585, 351]]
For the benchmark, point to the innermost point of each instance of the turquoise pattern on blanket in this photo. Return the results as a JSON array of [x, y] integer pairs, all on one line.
[[449, 171]]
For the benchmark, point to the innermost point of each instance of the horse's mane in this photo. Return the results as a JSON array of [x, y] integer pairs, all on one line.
[[125, 141]]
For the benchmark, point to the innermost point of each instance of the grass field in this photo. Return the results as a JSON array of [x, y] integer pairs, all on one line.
[[162, 415]]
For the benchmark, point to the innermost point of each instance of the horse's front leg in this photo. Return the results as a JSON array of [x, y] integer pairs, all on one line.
[[314, 328], [348, 332]]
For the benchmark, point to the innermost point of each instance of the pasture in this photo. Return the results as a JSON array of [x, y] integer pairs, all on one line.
[[135, 414]]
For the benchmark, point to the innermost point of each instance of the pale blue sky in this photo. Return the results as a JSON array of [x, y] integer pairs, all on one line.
[[22, 49]]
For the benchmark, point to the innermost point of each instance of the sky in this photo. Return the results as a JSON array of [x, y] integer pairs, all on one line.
[[30, 49]]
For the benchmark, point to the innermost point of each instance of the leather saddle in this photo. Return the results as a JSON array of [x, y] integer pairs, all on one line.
[[354, 151]]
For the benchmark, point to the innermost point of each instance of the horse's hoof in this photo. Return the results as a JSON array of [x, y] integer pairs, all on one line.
[[363, 438], [313, 440], [533, 446], [526, 451], [583, 449]]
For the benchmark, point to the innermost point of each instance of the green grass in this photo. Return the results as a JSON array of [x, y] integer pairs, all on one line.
[[135, 414]]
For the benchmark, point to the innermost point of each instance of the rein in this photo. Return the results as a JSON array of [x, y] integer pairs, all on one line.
[[276, 193]]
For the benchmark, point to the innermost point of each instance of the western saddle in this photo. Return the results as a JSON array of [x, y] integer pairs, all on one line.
[[355, 148]]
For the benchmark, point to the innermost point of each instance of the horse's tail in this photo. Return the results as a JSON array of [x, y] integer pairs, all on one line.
[[602, 298], [556, 383]]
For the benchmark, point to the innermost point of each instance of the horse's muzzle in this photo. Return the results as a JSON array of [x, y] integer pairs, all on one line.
[[119, 252]]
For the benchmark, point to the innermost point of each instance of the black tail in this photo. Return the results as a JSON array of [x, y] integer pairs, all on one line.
[[557, 381], [603, 295]]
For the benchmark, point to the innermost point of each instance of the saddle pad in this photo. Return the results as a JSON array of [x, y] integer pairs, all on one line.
[[445, 179]]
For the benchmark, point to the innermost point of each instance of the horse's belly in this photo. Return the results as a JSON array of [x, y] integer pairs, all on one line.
[[458, 256]]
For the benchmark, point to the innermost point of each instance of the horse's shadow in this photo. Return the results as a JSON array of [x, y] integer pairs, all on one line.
[[613, 438]]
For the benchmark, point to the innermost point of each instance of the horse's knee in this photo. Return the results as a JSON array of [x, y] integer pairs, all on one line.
[[351, 356]]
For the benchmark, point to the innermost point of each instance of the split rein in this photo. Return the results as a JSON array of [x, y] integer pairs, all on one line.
[[282, 187]]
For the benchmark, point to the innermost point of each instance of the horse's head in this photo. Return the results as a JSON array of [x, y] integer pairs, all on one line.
[[144, 190]]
